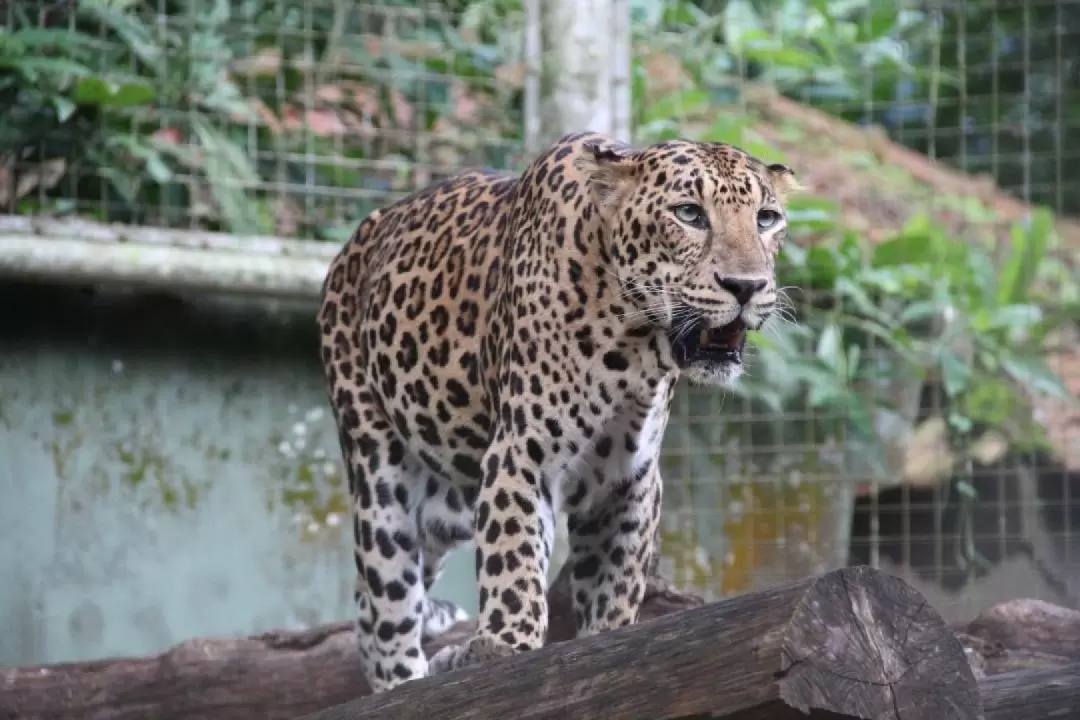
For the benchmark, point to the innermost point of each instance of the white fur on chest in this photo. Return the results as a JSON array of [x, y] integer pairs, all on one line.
[[622, 464], [650, 438]]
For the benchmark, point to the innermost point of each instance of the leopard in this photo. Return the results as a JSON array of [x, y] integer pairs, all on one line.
[[501, 348]]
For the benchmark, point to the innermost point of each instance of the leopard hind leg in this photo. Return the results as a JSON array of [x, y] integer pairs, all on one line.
[[390, 593], [445, 522]]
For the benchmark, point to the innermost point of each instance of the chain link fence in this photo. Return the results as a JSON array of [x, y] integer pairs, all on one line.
[[908, 413]]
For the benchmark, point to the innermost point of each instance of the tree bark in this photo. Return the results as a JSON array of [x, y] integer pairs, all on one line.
[[275, 676], [1051, 692], [1025, 652], [577, 66], [854, 642], [1022, 634]]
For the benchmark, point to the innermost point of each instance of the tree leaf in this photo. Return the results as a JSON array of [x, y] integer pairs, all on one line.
[[956, 374], [883, 18], [1036, 376], [829, 349], [64, 108], [1028, 249]]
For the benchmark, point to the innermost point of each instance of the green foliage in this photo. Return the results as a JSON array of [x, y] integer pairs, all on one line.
[[922, 306], [177, 112], [97, 94], [816, 50], [180, 112]]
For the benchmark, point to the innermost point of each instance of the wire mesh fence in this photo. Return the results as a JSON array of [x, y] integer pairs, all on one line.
[[267, 117], [890, 423], [959, 498]]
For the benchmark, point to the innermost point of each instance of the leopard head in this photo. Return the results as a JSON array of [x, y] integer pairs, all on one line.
[[694, 230]]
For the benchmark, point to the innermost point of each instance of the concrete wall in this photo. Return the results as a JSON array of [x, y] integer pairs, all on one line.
[[167, 470]]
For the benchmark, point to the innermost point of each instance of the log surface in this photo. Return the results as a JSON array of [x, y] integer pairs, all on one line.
[[275, 676], [854, 642], [283, 675], [1022, 634], [1050, 693]]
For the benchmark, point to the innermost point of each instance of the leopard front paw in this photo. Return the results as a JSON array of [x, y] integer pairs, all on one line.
[[478, 649]]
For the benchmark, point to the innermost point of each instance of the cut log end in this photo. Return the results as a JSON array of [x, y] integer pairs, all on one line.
[[865, 644]]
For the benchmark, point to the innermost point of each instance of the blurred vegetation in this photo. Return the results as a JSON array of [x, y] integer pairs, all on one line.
[[162, 104], [856, 54], [298, 118]]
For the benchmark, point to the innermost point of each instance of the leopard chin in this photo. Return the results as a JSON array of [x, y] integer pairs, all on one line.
[[710, 355]]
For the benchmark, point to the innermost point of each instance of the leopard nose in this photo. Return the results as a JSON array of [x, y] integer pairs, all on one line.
[[742, 288]]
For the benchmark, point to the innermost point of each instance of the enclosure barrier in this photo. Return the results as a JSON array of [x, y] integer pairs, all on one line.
[[855, 642]]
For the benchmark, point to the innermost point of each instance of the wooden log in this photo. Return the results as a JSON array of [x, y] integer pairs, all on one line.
[[275, 676], [1040, 694], [856, 642], [286, 674], [1021, 634]]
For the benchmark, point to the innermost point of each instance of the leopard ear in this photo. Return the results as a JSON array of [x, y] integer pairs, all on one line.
[[607, 166], [608, 150], [783, 179]]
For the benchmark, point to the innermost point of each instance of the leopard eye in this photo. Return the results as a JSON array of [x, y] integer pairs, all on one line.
[[691, 214], [767, 218]]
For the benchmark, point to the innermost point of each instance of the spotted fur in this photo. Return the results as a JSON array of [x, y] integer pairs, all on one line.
[[498, 349]]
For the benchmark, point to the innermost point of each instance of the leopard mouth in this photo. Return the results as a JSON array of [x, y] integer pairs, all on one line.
[[702, 344]]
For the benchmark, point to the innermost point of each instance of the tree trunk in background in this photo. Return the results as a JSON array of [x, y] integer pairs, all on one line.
[[586, 67], [622, 68], [534, 65]]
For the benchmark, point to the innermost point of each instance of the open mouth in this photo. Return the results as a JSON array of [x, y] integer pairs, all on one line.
[[720, 345]]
